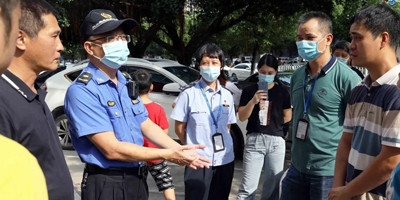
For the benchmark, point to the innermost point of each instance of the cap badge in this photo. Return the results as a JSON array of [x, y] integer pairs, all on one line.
[[106, 16]]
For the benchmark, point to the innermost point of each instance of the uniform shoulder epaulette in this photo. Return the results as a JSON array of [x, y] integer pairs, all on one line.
[[84, 77], [187, 86], [126, 75]]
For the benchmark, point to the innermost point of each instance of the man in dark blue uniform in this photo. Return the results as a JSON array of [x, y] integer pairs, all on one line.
[[107, 121]]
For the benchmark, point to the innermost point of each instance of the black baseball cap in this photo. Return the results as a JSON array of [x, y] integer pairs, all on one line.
[[100, 21]]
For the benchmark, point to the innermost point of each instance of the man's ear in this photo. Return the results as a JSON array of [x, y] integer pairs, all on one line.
[[385, 39], [151, 87], [22, 39], [329, 39], [88, 47]]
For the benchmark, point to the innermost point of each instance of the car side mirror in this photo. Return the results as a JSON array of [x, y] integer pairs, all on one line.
[[171, 88]]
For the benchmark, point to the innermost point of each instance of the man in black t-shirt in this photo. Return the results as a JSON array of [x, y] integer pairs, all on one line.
[[24, 115]]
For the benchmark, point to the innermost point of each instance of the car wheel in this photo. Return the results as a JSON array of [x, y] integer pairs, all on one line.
[[238, 141], [63, 132]]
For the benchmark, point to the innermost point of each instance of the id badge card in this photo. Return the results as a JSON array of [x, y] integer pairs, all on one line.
[[218, 142], [302, 128], [263, 113]]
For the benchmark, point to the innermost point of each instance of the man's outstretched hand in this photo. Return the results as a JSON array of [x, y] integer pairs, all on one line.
[[187, 155]]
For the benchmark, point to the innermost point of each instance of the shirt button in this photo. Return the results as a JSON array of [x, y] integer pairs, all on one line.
[[131, 129], [116, 113]]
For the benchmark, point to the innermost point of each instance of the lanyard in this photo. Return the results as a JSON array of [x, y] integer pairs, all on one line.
[[14, 85], [211, 112], [306, 102]]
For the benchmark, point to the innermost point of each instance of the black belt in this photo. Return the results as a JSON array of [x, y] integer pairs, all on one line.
[[138, 171]]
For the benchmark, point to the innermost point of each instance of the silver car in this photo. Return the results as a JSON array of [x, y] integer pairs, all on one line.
[[240, 71], [168, 77]]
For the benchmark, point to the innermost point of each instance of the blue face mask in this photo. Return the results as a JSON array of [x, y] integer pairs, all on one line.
[[266, 78], [209, 74], [341, 59], [308, 49], [115, 54]]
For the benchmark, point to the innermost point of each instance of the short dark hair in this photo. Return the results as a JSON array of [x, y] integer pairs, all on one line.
[[143, 80], [269, 60], [31, 21], [378, 19], [211, 50], [324, 21], [6, 9], [342, 44]]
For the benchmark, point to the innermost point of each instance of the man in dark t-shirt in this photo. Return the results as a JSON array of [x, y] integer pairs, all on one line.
[[24, 115]]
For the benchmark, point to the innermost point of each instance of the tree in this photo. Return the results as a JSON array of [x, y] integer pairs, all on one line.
[[206, 19], [182, 26]]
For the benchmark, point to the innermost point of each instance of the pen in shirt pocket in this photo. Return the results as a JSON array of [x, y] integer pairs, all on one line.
[[198, 112]]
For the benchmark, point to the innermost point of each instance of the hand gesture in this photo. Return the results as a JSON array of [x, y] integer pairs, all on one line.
[[187, 155]]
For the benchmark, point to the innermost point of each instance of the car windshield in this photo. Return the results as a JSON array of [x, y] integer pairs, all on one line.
[[185, 73]]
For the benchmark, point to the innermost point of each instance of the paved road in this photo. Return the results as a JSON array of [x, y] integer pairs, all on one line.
[[76, 168]]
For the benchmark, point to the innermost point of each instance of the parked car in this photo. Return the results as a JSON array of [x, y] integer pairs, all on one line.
[[44, 75], [240, 71], [168, 78]]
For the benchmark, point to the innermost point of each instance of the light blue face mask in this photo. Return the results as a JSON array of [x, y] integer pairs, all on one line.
[[115, 54], [209, 73], [308, 49], [344, 60], [266, 78]]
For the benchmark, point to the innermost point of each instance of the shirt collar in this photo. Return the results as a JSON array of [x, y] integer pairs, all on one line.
[[22, 88], [390, 77], [328, 66], [100, 77], [203, 85]]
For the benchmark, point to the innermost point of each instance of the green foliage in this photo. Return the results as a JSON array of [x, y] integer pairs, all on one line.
[[177, 28], [343, 11], [73, 51]]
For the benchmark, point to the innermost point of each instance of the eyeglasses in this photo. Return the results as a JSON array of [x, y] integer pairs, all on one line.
[[112, 38]]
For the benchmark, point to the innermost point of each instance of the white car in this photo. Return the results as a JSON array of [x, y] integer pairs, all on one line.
[[240, 71], [168, 77]]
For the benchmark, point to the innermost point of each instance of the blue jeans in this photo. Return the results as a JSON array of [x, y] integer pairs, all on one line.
[[300, 186], [262, 150]]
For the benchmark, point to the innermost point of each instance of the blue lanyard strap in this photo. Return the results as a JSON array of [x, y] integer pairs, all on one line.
[[211, 112], [306, 102]]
